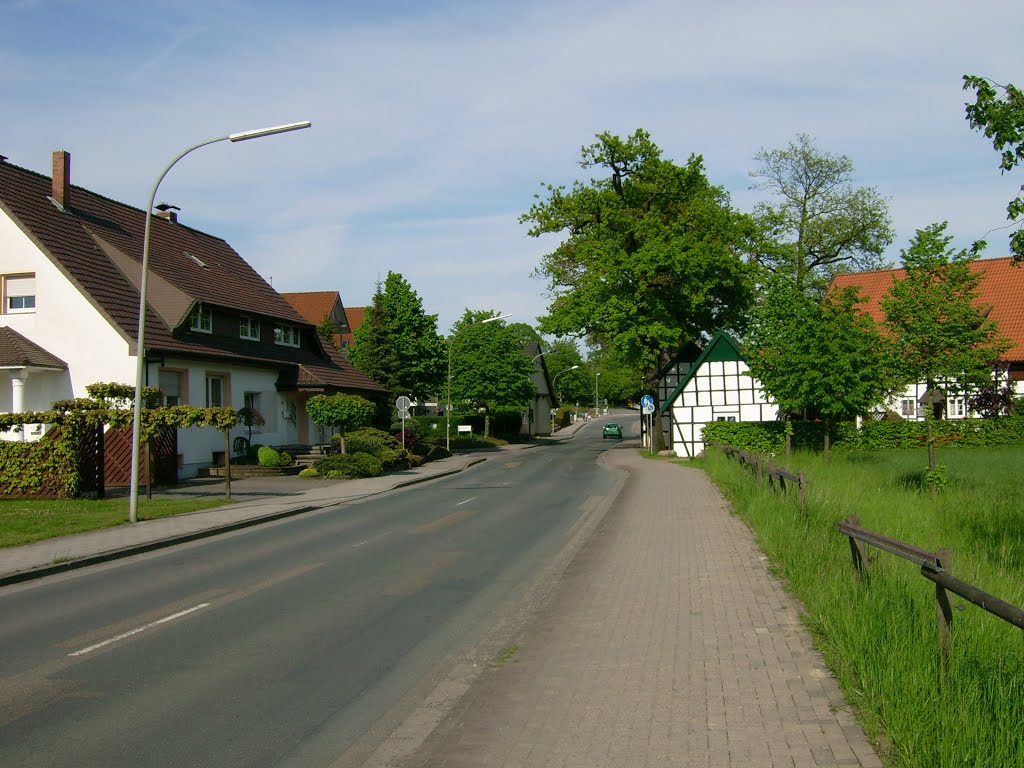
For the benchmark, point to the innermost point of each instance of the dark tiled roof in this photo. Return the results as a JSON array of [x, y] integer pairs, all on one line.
[[68, 238], [17, 351], [1001, 288], [97, 244]]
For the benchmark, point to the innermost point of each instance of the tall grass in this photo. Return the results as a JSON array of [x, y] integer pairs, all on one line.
[[881, 639]]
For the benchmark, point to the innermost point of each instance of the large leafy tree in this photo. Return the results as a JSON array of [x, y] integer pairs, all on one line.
[[818, 222], [398, 345], [940, 336], [567, 370], [649, 254], [998, 111], [824, 358], [489, 369]]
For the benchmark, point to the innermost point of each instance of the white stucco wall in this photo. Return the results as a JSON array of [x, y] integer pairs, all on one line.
[[64, 323]]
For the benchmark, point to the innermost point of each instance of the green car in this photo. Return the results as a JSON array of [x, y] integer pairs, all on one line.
[[611, 429]]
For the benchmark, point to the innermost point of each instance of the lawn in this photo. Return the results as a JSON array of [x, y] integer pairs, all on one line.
[[880, 640], [25, 521]]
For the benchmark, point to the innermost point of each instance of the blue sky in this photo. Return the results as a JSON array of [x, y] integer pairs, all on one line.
[[434, 123]]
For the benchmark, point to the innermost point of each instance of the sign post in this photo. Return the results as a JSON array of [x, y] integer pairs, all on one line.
[[402, 404], [647, 407]]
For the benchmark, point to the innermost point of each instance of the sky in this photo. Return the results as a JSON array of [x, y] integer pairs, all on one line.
[[436, 123]]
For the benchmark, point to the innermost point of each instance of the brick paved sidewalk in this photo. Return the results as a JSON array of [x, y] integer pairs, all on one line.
[[668, 644]]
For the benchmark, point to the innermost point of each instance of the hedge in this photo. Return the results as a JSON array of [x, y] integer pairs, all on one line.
[[770, 436]]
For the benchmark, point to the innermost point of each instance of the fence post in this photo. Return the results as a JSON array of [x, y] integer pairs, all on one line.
[[860, 560], [800, 482], [943, 610], [789, 446], [758, 462]]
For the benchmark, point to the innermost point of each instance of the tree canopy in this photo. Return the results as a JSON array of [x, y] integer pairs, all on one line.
[[649, 256], [818, 222], [398, 345], [342, 411], [932, 313], [998, 111], [489, 369], [824, 358]]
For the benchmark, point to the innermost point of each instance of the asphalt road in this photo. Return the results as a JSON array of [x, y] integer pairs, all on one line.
[[299, 643]]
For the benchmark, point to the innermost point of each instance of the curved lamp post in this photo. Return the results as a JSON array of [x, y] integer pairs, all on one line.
[[597, 402], [140, 351], [559, 374], [448, 408]]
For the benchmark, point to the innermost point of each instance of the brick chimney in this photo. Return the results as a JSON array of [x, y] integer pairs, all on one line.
[[61, 183]]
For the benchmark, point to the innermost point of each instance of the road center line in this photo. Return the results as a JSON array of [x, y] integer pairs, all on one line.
[[135, 631], [466, 501]]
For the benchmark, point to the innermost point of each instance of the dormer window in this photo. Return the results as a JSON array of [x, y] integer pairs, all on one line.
[[19, 294], [249, 328], [201, 319], [286, 335]]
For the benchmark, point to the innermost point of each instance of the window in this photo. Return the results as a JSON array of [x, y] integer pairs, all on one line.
[[249, 328], [19, 294], [215, 392], [201, 319], [908, 407], [957, 408], [253, 417], [287, 335], [170, 385], [725, 418]]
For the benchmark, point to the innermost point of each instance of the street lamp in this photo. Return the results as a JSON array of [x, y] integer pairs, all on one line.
[[448, 409], [559, 374], [140, 350], [597, 403]]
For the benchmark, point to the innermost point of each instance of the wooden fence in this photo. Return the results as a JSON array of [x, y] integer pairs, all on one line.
[[937, 567], [764, 467]]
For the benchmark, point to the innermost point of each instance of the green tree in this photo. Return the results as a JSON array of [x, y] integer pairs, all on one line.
[[569, 382], [827, 358], [998, 111], [489, 369], [342, 411], [400, 344], [939, 335], [373, 352], [326, 330], [649, 255], [819, 222]]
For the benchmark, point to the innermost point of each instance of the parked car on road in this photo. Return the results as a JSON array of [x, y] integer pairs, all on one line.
[[611, 429]]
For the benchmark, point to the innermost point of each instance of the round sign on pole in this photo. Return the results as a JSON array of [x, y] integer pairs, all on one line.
[[403, 403]]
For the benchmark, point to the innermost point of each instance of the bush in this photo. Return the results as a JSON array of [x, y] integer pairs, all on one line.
[[369, 440], [252, 453], [286, 458], [268, 457], [437, 452], [309, 472], [349, 465]]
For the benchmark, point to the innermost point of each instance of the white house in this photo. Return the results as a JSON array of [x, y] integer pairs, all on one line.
[[714, 387], [217, 334]]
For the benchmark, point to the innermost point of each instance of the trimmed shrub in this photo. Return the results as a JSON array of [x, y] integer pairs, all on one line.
[[286, 458], [309, 472], [371, 441], [268, 457], [252, 453], [349, 465]]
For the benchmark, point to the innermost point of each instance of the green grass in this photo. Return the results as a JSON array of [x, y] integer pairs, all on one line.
[[25, 521], [880, 640]]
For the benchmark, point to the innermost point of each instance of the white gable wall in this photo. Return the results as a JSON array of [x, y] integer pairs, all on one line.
[[64, 323], [718, 391]]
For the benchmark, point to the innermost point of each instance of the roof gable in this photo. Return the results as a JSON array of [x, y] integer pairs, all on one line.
[[97, 243], [18, 352], [722, 347], [1001, 288]]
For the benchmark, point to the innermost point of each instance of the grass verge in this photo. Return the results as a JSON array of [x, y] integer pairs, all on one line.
[[25, 521], [880, 640]]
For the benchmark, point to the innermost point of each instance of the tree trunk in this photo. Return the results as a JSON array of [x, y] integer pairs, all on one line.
[[827, 441], [651, 387]]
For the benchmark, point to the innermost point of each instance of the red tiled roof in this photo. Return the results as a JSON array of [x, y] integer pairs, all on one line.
[[355, 316], [17, 352], [313, 305], [1001, 287]]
